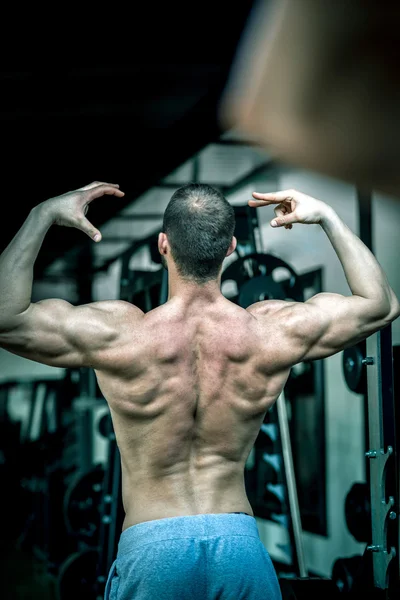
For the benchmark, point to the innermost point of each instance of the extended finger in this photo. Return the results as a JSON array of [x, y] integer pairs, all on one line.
[[95, 184], [271, 197], [101, 190]]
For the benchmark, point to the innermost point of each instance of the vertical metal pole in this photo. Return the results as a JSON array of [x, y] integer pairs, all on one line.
[[291, 483], [365, 224]]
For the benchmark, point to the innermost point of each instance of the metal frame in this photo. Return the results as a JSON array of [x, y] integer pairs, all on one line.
[[293, 500], [382, 457], [380, 435]]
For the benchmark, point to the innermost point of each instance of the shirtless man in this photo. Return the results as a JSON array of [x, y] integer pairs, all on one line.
[[189, 383]]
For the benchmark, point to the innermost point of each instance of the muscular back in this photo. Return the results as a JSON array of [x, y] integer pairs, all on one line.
[[189, 383], [188, 391]]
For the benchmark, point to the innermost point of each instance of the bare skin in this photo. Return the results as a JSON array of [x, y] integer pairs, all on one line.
[[189, 383]]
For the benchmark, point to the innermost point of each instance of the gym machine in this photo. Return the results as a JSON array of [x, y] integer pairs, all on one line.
[[372, 508], [94, 516], [44, 467]]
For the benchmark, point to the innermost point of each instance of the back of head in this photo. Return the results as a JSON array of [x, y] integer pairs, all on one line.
[[199, 223]]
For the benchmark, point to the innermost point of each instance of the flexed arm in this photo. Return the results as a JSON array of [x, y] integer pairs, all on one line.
[[18, 259], [53, 331], [328, 323]]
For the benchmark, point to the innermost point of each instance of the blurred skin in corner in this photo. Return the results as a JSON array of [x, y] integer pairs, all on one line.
[[316, 84]]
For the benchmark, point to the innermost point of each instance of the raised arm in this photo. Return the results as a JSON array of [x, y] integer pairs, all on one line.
[[328, 323], [53, 331]]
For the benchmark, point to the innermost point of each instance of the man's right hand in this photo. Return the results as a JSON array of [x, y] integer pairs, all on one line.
[[70, 208], [293, 207]]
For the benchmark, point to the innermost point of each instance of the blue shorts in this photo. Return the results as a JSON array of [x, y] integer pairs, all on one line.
[[207, 557]]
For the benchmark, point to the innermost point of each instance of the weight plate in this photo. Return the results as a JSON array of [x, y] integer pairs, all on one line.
[[258, 278], [354, 370], [357, 510], [344, 572], [105, 426]]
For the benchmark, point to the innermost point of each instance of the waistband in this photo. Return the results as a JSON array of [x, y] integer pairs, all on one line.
[[191, 526]]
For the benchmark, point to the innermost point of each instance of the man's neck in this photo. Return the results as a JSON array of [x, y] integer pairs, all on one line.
[[189, 291]]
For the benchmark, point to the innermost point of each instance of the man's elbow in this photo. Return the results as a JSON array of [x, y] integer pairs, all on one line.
[[394, 310]]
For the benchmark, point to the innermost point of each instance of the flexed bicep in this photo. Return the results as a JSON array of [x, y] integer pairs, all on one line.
[[329, 323]]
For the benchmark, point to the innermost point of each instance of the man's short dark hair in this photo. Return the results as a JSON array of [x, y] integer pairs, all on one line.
[[199, 223]]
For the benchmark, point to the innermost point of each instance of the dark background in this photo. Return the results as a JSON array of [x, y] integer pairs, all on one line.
[[122, 95]]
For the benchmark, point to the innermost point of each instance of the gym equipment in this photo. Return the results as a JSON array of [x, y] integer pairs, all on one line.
[[88, 445], [382, 459], [105, 426], [76, 576], [353, 577], [308, 588], [94, 515], [262, 277], [344, 572], [111, 511], [145, 289], [291, 483], [354, 363], [42, 480], [381, 437], [81, 505], [10, 436], [358, 512]]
